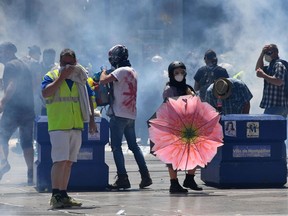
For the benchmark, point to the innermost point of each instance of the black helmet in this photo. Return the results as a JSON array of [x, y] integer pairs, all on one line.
[[174, 65], [117, 54]]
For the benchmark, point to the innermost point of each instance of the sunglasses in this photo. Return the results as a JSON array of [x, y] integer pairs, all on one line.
[[67, 63], [269, 53]]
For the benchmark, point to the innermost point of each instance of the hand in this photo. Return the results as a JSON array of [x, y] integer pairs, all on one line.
[[189, 92], [66, 71], [265, 49], [92, 127], [260, 73], [103, 68]]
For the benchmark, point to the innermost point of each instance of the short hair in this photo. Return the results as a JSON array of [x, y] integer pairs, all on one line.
[[67, 52], [274, 47], [49, 51], [8, 46], [34, 50]]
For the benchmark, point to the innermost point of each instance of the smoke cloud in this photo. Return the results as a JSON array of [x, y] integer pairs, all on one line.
[[172, 30]]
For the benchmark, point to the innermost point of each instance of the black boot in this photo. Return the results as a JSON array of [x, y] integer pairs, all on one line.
[[175, 187], [189, 182], [145, 179], [122, 182]]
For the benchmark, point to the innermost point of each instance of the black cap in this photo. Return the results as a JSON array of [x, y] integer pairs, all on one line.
[[8, 46], [34, 49], [210, 54]]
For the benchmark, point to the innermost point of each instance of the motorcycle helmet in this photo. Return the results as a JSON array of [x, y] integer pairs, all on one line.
[[117, 54]]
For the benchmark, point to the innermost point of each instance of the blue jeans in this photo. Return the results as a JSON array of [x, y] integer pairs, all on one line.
[[277, 111], [122, 126]]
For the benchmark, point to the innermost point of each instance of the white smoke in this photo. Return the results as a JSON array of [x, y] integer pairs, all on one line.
[[174, 30]]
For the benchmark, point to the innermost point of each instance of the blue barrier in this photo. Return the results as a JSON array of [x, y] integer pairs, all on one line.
[[90, 173], [253, 154]]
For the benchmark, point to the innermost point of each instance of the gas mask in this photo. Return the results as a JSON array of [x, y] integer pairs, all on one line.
[[179, 77]]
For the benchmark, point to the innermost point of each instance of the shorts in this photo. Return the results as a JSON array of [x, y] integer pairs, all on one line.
[[10, 121], [65, 145]]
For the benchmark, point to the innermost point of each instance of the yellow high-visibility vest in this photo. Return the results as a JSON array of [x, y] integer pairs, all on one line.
[[63, 108]]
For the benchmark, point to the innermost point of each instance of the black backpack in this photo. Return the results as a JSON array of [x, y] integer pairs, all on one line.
[[285, 63]]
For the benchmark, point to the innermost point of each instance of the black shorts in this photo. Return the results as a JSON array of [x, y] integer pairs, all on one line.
[[10, 122]]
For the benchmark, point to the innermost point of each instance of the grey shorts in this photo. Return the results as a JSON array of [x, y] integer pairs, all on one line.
[[65, 145]]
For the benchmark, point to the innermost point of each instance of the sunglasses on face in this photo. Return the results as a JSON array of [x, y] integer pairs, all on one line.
[[67, 63], [269, 53]]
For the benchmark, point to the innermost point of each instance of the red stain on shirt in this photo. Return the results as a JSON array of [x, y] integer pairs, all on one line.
[[130, 96]]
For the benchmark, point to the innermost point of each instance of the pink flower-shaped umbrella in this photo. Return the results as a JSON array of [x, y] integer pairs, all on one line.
[[185, 132]]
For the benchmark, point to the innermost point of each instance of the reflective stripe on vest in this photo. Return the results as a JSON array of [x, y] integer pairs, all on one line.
[[62, 99], [63, 108]]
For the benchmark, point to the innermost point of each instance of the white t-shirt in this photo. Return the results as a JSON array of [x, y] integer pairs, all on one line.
[[125, 92]]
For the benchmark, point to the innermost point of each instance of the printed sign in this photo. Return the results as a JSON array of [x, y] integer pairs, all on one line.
[[230, 128], [252, 129], [85, 154], [251, 151]]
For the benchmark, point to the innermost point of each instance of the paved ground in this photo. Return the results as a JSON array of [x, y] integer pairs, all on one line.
[[18, 199]]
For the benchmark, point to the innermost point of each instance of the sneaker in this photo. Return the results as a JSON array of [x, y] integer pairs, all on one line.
[[70, 202], [56, 201], [4, 168]]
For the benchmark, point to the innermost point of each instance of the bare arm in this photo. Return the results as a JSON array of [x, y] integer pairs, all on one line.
[[52, 87], [106, 78], [92, 125], [270, 79], [10, 90], [260, 62], [196, 86], [246, 108], [190, 92]]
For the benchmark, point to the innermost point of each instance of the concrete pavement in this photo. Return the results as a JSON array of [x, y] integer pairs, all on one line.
[[18, 199]]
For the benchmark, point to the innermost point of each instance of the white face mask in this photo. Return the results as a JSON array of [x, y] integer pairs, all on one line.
[[179, 77], [267, 58]]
